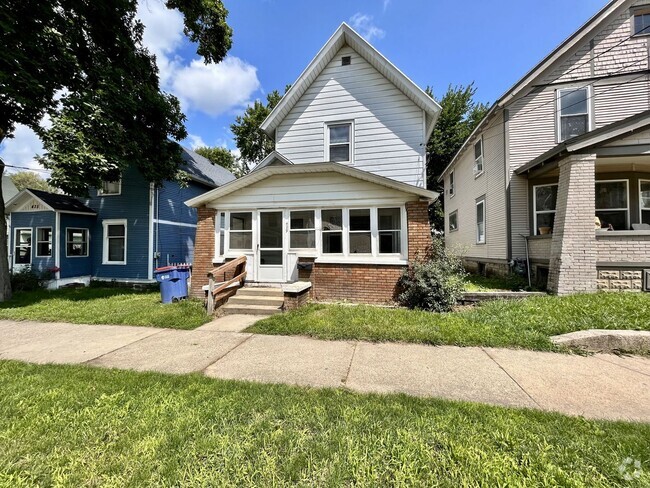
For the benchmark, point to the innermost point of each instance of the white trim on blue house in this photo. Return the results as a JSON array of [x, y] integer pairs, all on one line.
[[171, 222], [151, 219], [105, 224]]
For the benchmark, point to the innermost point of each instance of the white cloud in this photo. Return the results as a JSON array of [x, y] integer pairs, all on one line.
[[22, 149], [195, 141], [363, 24], [386, 3], [211, 89]]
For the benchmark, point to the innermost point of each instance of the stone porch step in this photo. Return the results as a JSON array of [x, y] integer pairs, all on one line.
[[260, 292], [230, 308], [245, 300]]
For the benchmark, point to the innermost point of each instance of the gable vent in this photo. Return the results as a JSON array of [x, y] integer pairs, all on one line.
[[346, 60]]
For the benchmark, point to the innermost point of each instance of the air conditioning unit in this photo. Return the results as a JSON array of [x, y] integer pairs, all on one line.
[[646, 280]]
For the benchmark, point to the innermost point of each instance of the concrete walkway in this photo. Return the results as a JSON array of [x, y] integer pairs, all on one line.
[[599, 386]]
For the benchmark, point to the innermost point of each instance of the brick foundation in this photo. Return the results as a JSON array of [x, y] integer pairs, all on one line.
[[203, 250], [295, 300], [365, 283]]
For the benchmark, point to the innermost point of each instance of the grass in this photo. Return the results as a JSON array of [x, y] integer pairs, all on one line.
[[92, 305], [526, 323], [77, 426], [480, 283]]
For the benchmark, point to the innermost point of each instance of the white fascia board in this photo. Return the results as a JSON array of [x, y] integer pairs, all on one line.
[[18, 198]]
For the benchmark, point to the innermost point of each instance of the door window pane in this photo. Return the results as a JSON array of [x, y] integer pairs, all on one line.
[[389, 224], [23, 246], [271, 230], [270, 258]]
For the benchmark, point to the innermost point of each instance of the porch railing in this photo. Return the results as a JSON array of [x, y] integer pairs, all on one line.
[[238, 269]]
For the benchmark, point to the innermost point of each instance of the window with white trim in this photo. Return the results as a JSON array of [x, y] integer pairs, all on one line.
[[478, 157], [360, 235], [452, 184], [332, 231], [339, 142], [43, 242], [612, 204], [641, 23], [222, 233], [644, 200], [302, 229], [573, 112], [110, 188], [23, 246], [76, 242], [114, 241], [480, 221], [389, 224], [453, 221], [544, 202], [241, 231]]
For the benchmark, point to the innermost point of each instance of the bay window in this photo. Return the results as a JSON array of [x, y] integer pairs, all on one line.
[[544, 202], [302, 229], [612, 204], [241, 231]]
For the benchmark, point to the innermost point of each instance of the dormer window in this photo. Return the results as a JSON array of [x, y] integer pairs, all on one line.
[[110, 188], [573, 112], [478, 157], [641, 23], [339, 142]]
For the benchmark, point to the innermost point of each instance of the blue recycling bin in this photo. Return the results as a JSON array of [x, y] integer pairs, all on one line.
[[173, 282]]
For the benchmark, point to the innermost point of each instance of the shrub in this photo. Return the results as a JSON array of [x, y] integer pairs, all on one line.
[[434, 283], [28, 279]]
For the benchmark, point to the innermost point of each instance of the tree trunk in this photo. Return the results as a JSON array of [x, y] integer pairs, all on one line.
[[5, 280]]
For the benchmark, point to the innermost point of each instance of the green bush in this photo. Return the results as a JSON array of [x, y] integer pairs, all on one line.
[[28, 279], [434, 283]]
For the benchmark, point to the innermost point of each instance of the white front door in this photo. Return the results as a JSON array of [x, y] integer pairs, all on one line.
[[270, 253]]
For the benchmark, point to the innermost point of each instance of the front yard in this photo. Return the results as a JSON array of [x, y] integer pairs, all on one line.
[[526, 323], [92, 305], [78, 426]]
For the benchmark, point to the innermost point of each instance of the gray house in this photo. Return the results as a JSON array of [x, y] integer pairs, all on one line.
[[559, 169]]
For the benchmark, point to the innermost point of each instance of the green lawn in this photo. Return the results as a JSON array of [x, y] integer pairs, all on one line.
[[481, 283], [526, 323], [78, 426], [103, 306]]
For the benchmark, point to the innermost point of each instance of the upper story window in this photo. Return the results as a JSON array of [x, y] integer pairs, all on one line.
[[452, 183], [573, 111], [641, 23], [339, 143], [110, 188], [478, 157]]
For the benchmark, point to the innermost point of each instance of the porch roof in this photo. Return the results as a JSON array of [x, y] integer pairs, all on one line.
[[268, 171], [590, 140], [52, 201]]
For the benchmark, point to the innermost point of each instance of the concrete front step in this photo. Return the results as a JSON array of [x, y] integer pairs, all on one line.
[[244, 300], [230, 308], [260, 291]]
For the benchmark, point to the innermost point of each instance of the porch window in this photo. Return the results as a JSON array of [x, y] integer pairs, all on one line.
[[644, 200], [612, 204], [241, 231], [302, 230], [76, 243], [110, 188], [114, 242], [573, 109], [390, 229], [43, 242], [451, 184], [478, 157], [544, 202], [23, 246], [480, 221], [339, 141], [360, 234], [332, 223], [453, 221], [222, 233]]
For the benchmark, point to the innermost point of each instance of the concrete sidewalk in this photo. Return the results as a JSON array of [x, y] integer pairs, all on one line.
[[599, 386]]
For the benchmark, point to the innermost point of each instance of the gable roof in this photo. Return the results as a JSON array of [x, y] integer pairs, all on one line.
[[565, 47], [53, 201], [345, 35], [591, 139], [264, 173], [273, 157], [203, 171]]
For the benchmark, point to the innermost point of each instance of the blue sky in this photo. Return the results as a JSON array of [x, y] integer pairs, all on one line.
[[434, 42]]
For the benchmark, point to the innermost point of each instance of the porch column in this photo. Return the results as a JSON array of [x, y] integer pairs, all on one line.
[[203, 250], [573, 246], [419, 229]]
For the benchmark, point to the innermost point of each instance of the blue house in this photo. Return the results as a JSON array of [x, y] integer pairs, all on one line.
[[122, 232]]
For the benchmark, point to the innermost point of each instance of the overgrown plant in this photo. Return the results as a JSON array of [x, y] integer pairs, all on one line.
[[434, 282], [28, 279]]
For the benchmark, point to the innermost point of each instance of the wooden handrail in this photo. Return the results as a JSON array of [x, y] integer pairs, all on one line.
[[238, 266]]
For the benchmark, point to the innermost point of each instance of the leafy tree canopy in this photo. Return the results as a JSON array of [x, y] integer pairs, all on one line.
[[29, 179], [252, 142], [224, 158]]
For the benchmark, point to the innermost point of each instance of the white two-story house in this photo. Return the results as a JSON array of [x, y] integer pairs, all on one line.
[[558, 172], [341, 202]]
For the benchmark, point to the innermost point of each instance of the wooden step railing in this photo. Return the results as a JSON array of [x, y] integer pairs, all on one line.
[[238, 269]]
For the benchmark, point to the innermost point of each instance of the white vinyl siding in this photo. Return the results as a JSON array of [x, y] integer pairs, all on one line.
[[388, 129]]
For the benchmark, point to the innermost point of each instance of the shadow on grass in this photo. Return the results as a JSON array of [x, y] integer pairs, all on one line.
[[26, 298]]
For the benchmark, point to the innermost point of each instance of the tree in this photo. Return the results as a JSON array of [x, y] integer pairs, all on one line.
[[252, 142], [29, 179], [221, 156], [111, 113], [459, 116]]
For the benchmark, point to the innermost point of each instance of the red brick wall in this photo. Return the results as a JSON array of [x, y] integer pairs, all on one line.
[[419, 230], [366, 283], [203, 250]]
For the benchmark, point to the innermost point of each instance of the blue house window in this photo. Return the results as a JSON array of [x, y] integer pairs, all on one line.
[[76, 243], [23, 246], [114, 241], [110, 188], [43, 242]]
